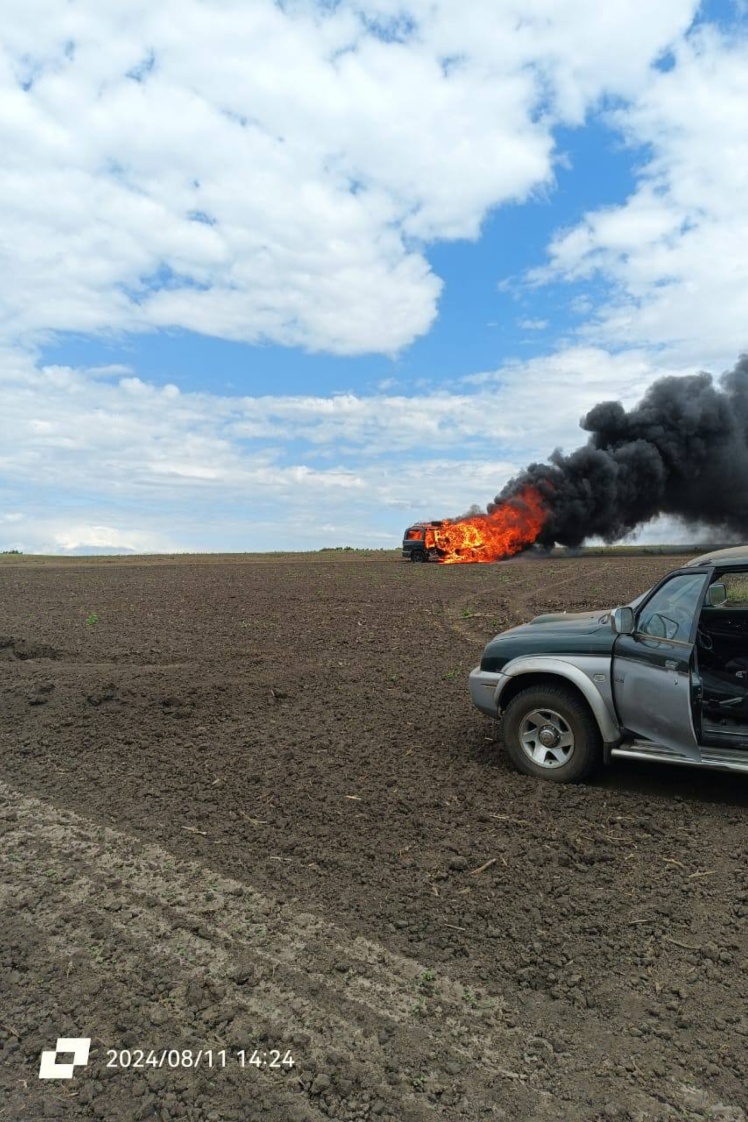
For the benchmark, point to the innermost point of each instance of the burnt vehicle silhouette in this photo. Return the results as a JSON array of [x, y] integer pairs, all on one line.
[[419, 542]]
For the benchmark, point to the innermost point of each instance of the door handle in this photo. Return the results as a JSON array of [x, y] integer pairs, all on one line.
[[671, 664]]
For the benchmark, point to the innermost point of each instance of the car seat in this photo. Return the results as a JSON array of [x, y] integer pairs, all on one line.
[[726, 691]]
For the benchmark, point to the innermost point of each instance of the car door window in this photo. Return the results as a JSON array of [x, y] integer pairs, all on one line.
[[669, 614]]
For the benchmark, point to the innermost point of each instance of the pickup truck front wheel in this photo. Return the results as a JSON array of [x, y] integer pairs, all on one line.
[[550, 733]]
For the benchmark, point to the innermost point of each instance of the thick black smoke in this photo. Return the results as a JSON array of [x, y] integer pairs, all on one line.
[[682, 451]]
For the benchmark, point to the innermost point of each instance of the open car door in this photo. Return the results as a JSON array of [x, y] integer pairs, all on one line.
[[653, 686]]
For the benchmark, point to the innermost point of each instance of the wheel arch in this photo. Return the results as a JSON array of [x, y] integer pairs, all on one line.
[[536, 673]]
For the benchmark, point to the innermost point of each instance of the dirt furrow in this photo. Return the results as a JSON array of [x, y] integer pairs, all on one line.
[[258, 809], [246, 971]]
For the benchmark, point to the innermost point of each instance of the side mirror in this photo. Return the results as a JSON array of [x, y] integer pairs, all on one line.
[[622, 621], [716, 595]]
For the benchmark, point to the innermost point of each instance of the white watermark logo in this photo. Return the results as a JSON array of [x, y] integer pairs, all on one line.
[[52, 1068]]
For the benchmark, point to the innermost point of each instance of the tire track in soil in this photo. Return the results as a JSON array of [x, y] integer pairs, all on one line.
[[370, 1029], [461, 627], [108, 935]]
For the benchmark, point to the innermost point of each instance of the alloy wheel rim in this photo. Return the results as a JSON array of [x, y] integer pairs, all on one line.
[[546, 738]]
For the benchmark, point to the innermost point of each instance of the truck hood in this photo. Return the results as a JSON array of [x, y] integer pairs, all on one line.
[[556, 634], [567, 617]]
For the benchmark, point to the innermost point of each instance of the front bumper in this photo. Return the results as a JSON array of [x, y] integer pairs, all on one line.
[[485, 688]]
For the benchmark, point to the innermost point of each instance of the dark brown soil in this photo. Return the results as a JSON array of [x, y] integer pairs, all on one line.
[[246, 803]]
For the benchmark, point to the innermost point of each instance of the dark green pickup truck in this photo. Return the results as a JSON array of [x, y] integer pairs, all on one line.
[[663, 678]]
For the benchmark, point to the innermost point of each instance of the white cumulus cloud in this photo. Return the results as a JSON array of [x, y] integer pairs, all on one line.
[[273, 172], [676, 252], [156, 469]]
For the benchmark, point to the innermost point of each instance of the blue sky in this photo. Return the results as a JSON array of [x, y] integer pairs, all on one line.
[[234, 302], [479, 324]]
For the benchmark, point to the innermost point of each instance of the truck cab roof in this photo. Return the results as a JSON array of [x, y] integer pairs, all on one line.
[[720, 558]]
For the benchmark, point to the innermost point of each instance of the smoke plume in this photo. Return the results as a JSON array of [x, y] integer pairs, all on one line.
[[682, 451]]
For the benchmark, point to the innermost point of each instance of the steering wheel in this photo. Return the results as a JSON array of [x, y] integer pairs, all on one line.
[[704, 640], [684, 619]]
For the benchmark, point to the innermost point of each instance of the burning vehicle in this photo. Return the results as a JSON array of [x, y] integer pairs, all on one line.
[[682, 451], [664, 678], [507, 529], [419, 542]]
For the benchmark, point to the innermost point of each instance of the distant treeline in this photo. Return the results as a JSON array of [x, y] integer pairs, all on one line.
[[640, 550]]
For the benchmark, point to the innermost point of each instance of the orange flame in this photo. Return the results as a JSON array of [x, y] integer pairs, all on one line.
[[509, 529]]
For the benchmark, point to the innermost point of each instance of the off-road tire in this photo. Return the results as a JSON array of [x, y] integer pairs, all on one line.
[[585, 755], [418, 555]]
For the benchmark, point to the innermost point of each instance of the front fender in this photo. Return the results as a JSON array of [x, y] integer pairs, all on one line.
[[580, 674]]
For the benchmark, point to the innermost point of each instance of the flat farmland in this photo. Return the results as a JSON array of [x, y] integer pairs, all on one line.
[[246, 805]]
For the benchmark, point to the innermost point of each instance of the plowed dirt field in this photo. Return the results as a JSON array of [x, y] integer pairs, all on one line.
[[247, 807]]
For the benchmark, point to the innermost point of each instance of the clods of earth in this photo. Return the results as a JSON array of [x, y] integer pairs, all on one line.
[[260, 849]]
